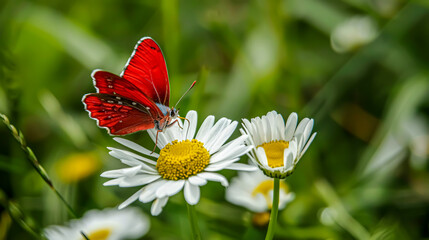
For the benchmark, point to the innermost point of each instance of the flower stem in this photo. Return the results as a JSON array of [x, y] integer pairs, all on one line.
[[196, 235], [274, 210], [34, 162]]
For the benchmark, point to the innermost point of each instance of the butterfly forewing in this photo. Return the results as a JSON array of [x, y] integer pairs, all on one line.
[[122, 89], [119, 117], [147, 71]]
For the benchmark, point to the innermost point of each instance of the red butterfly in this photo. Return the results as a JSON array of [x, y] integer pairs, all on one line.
[[136, 100]]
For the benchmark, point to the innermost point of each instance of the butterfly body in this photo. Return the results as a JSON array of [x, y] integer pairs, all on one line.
[[136, 100]]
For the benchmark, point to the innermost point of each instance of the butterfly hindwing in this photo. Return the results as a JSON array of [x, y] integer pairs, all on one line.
[[147, 71]]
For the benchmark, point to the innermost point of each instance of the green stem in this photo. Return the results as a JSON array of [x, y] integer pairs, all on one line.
[[34, 162], [196, 235], [274, 210]]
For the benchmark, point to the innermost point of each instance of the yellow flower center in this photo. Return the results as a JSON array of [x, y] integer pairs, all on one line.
[[265, 187], [275, 151], [100, 234], [180, 160], [78, 166], [261, 219]]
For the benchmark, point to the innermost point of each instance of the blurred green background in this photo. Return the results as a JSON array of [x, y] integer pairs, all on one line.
[[358, 67]]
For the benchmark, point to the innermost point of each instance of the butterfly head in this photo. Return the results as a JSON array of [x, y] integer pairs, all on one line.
[[169, 118]]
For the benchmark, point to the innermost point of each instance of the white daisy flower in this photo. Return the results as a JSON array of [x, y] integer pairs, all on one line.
[[277, 147], [353, 33], [254, 191], [107, 224], [184, 162]]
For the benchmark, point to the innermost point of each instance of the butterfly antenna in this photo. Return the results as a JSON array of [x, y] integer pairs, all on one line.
[[193, 84]]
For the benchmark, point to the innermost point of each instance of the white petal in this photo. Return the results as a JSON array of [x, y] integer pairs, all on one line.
[[123, 154], [214, 177], [131, 199], [307, 145], [192, 193], [288, 162], [293, 147], [121, 172], [170, 188], [113, 182], [213, 135], [301, 126], [138, 180], [161, 141], [220, 165], [307, 130], [242, 167], [157, 206], [223, 137], [260, 130], [247, 126], [205, 128], [290, 128], [195, 180], [148, 193], [189, 130], [135, 146], [233, 153], [262, 157], [280, 122], [173, 133]]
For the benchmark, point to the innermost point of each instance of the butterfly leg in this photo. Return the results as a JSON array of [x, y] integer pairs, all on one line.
[[156, 141], [175, 121]]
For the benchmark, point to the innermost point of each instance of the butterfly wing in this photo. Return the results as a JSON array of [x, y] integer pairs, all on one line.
[[119, 117], [147, 71], [119, 106]]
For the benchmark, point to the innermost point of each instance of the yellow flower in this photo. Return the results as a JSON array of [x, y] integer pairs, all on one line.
[[77, 166]]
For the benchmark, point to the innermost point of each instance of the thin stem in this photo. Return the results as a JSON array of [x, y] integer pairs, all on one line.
[[274, 210], [15, 212], [34, 162], [196, 235]]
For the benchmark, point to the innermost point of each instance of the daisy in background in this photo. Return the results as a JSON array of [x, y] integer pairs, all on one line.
[[187, 160], [277, 149], [254, 191], [107, 224]]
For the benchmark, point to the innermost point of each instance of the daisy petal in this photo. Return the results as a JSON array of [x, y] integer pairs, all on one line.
[[242, 167], [211, 137], [214, 177], [157, 206], [195, 180], [113, 182], [223, 137], [135, 146], [118, 153], [192, 193], [307, 145], [121, 172], [290, 126], [301, 126], [220, 165], [170, 188], [205, 128], [131, 199], [138, 180], [190, 129]]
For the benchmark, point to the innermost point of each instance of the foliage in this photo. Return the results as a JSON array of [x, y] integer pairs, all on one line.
[[365, 175]]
